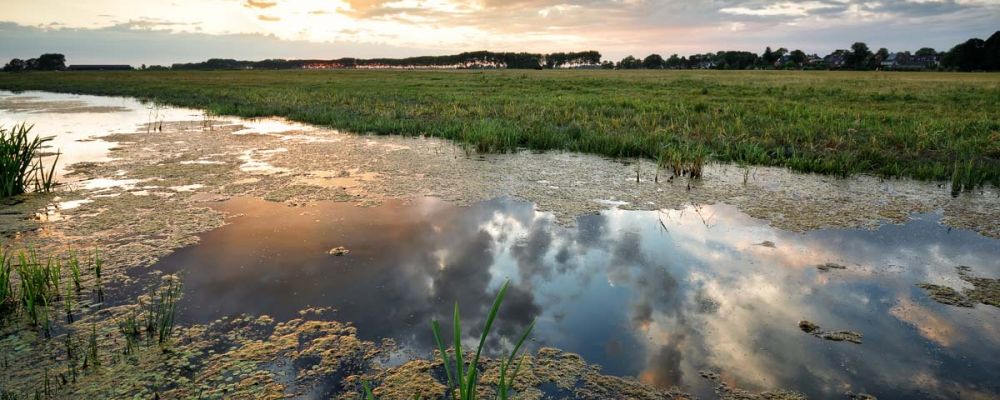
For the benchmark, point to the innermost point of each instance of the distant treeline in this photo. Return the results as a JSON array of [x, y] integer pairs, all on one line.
[[971, 55], [476, 59]]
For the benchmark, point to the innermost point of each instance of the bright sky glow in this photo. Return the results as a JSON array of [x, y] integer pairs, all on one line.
[[368, 28]]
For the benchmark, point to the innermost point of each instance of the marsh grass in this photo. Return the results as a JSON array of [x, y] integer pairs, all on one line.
[[838, 123], [8, 301], [33, 286], [160, 310], [21, 166], [129, 328]]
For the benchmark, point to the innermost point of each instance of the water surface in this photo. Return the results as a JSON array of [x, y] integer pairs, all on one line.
[[655, 295]]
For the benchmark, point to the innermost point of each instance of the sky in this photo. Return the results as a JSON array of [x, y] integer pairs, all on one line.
[[168, 31]]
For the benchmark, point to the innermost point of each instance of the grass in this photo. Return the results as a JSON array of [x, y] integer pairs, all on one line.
[[463, 378], [21, 166], [160, 310], [925, 126]]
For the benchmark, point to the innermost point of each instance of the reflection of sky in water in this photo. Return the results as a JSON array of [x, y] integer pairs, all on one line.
[[657, 295], [74, 130]]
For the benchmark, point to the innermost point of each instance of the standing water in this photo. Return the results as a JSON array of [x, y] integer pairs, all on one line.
[[662, 296]]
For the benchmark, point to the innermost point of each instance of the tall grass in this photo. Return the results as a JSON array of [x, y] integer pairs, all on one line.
[[21, 166]]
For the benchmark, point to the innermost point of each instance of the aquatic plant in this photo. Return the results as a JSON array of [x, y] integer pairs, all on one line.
[[98, 281], [464, 378], [7, 299], [160, 309], [129, 328], [68, 304], [20, 162], [92, 358], [74, 269], [35, 281]]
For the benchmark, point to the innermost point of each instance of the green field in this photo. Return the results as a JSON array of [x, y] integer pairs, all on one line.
[[922, 125]]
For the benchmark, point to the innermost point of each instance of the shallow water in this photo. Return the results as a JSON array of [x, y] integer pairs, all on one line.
[[655, 295], [77, 122]]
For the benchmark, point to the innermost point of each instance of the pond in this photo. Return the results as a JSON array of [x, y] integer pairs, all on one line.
[[667, 296]]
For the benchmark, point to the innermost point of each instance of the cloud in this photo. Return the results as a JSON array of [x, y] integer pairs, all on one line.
[[259, 4], [614, 27]]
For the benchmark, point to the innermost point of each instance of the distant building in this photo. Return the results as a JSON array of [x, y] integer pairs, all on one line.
[[836, 60], [98, 67], [906, 61]]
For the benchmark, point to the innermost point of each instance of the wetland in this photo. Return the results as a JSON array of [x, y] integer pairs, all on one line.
[[309, 261]]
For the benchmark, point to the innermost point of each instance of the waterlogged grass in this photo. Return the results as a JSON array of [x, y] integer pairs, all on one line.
[[922, 125], [34, 286]]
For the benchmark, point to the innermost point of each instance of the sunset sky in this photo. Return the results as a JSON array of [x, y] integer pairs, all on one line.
[[167, 31]]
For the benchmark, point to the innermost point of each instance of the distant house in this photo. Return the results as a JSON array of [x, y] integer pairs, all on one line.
[[836, 60], [813, 59], [906, 61], [894, 60], [98, 67]]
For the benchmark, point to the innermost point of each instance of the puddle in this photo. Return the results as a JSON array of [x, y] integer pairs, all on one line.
[[657, 295]]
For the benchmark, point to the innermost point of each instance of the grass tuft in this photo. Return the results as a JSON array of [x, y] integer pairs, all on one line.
[[21, 165]]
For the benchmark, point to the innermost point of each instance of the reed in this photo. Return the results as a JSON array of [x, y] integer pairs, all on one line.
[[160, 310]]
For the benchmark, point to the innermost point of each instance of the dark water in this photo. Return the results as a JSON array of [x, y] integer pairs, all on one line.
[[655, 295]]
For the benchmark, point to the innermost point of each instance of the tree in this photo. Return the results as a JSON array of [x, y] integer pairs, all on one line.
[[768, 56], [652, 61], [859, 55], [925, 52], [968, 56], [875, 61], [15, 65], [51, 62], [673, 62], [629, 63], [798, 57]]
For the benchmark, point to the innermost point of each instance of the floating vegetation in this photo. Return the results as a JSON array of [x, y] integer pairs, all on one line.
[[826, 267], [984, 290], [21, 166], [836, 336]]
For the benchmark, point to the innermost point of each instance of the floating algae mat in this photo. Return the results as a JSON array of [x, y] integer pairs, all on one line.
[[668, 297]]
